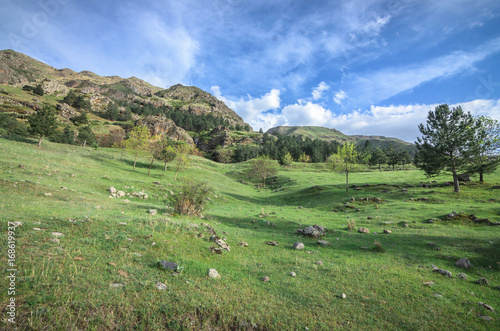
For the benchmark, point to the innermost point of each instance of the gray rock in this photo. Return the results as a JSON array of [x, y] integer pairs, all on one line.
[[323, 243], [485, 306], [111, 190], [168, 265], [298, 246], [486, 318], [120, 194], [293, 274], [343, 296], [463, 263], [153, 212], [313, 231], [212, 273], [319, 262], [265, 279], [482, 281], [363, 230], [116, 285], [387, 231], [57, 234], [16, 223], [161, 286], [462, 276], [443, 272]]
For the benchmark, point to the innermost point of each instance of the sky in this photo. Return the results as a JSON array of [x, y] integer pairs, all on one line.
[[360, 66]]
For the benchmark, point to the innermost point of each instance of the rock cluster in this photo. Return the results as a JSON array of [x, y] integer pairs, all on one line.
[[314, 231]]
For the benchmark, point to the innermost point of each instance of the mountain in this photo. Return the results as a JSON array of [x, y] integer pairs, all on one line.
[[316, 132], [18, 70]]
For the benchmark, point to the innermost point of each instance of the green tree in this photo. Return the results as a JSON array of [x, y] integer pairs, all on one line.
[[345, 161], [112, 112], [166, 152], [81, 119], [404, 157], [378, 157], [262, 168], [137, 142], [182, 160], [86, 135], [70, 98], [286, 160], [392, 156], [304, 158], [42, 123], [38, 90], [447, 142], [487, 146]]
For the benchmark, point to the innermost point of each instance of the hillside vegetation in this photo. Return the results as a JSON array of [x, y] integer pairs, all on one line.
[[88, 261]]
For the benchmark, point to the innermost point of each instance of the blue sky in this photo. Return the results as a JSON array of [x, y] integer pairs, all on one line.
[[360, 66]]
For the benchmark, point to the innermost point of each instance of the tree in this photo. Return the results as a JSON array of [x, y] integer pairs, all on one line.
[[392, 156], [286, 160], [153, 147], [42, 123], [137, 142], [447, 142], [165, 152], [86, 135], [112, 112], [404, 157], [38, 90], [182, 152], [262, 168], [378, 157], [487, 145], [304, 158], [223, 155], [345, 161], [191, 198]]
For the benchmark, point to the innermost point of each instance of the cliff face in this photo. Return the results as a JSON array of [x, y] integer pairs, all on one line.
[[159, 125]]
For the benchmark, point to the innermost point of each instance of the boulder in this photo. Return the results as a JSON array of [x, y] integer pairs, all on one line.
[[120, 194], [159, 125], [298, 246], [463, 263], [212, 273], [313, 231], [167, 265], [363, 230], [387, 231]]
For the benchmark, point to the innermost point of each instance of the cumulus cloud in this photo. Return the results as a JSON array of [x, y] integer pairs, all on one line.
[[339, 96], [317, 92], [255, 111], [306, 114]]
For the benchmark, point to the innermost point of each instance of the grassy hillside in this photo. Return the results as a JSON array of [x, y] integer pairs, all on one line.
[[101, 274], [316, 132]]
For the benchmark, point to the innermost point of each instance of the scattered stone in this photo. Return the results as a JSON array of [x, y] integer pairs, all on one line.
[[293, 274], [63, 188], [462, 276], [265, 279], [243, 244], [212, 273], [78, 258], [22, 166], [323, 243], [272, 243], [319, 262], [463, 263], [387, 231], [431, 220], [57, 234], [120, 194], [55, 240], [137, 254], [313, 231], [116, 285], [429, 283], [298, 246], [16, 223], [48, 194], [488, 307], [363, 230], [167, 265], [482, 281], [111, 190], [112, 263], [437, 295], [221, 243], [37, 229], [157, 183], [343, 296], [161, 286], [152, 212], [443, 272]]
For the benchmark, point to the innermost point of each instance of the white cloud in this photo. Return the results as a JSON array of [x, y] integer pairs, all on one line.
[[317, 92], [254, 110], [306, 114], [339, 96], [383, 84]]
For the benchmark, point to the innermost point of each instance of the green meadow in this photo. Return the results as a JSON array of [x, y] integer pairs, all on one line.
[[101, 271]]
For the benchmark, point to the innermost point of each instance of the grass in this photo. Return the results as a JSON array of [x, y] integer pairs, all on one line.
[[67, 285]]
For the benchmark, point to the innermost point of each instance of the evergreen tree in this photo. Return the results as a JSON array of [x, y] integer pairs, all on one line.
[[42, 123], [86, 135], [404, 157], [447, 142], [487, 146], [286, 160], [38, 90], [112, 112], [378, 157]]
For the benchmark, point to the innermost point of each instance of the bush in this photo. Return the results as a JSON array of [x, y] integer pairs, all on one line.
[[191, 198]]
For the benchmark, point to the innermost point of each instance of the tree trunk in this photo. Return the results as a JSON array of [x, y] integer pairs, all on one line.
[[176, 172], [121, 157], [481, 178], [456, 184], [150, 165], [380, 167], [165, 166], [84, 143], [135, 160], [346, 181], [40, 142]]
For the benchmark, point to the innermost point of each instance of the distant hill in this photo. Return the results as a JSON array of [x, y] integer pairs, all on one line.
[[18, 70], [316, 132]]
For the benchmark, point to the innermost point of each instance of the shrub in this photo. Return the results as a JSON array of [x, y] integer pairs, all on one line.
[[191, 197], [351, 225]]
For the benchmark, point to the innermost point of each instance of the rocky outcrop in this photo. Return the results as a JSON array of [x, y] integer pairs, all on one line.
[[159, 125], [218, 137]]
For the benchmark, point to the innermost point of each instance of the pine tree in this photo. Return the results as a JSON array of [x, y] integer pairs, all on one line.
[[42, 123]]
